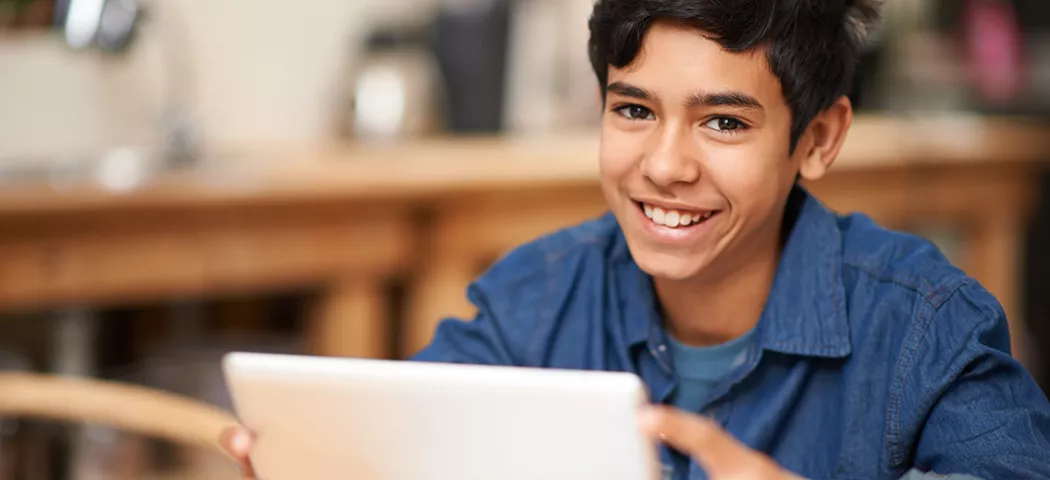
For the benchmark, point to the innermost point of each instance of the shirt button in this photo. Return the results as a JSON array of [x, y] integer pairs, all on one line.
[[663, 348]]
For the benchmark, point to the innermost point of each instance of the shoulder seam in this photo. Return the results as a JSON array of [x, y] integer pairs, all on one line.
[[914, 342], [919, 327], [935, 296]]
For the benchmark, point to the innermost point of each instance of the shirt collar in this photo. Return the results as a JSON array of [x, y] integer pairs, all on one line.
[[806, 310]]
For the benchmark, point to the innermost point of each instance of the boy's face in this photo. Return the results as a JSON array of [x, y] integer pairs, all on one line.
[[695, 154]]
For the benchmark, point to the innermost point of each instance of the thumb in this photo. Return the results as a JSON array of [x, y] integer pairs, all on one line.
[[237, 442]]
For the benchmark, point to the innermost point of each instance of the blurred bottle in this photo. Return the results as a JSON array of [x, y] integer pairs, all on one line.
[[394, 91], [993, 46]]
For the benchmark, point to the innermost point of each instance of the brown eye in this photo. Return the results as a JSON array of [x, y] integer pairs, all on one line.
[[635, 112]]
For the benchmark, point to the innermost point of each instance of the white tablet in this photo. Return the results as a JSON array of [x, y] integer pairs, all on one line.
[[327, 418]]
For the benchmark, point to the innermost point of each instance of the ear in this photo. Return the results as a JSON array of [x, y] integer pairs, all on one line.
[[824, 138]]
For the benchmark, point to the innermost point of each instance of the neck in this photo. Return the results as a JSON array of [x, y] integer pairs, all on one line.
[[717, 308]]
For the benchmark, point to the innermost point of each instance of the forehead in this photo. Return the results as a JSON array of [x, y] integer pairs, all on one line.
[[677, 60]]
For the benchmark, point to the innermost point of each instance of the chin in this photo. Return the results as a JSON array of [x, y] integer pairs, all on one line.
[[667, 267]]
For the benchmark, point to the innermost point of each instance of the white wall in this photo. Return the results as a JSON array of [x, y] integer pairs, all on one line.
[[265, 73]]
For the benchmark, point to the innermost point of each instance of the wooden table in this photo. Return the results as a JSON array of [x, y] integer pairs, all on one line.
[[346, 218], [185, 236]]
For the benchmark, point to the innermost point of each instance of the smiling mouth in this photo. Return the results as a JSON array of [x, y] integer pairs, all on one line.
[[673, 218]]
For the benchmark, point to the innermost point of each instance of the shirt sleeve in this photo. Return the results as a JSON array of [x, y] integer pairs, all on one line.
[[480, 341], [508, 298], [987, 417]]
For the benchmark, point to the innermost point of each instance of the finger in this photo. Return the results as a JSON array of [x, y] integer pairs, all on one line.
[[715, 450], [238, 443]]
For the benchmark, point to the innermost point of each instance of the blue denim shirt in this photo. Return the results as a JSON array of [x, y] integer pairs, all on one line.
[[874, 356]]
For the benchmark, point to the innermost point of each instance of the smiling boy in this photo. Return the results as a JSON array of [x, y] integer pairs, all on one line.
[[788, 340]]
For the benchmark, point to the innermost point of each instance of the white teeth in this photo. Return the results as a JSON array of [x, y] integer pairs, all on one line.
[[659, 216], [673, 218]]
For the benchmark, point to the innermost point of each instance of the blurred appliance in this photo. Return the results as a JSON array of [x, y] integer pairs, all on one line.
[[395, 90], [550, 82], [111, 26], [469, 39]]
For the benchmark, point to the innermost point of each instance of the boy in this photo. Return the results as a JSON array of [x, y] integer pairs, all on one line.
[[786, 340]]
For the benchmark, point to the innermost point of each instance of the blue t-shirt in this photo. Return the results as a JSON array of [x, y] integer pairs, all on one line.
[[701, 369], [873, 355]]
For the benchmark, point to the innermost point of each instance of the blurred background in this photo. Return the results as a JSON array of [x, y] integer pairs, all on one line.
[[183, 178]]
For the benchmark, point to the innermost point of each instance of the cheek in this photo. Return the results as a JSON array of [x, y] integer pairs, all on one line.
[[751, 179], [618, 158]]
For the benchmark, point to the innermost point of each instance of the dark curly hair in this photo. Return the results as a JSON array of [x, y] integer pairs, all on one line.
[[812, 45]]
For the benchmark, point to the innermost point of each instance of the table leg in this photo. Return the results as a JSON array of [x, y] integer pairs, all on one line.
[[994, 259], [351, 320], [73, 354], [1001, 241]]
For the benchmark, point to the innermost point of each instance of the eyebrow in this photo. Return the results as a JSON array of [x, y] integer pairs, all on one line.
[[721, 99], [724, 99], [631, 91]]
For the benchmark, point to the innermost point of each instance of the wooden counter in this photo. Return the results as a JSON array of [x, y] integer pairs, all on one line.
[[347, 218]]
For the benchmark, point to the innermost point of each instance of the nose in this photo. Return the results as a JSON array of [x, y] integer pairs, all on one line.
[[673, 159]]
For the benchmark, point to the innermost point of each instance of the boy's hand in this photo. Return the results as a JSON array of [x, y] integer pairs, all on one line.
[[720, 455], [238, 443]]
